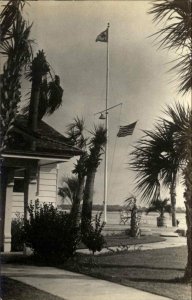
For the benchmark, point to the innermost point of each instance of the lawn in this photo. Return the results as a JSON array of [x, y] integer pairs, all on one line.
[[15, 290], [156, 271]]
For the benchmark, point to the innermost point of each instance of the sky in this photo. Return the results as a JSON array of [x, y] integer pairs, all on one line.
[[138, 76]]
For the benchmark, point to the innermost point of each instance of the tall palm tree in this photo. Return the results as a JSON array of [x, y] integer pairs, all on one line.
[[155, 159], [96, 149], [151, 166], [45, 97], [16, 47], [76, 136], [180, 123], [176, 34]]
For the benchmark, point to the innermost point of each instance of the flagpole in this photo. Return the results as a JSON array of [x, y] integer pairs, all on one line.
[[106, 127]]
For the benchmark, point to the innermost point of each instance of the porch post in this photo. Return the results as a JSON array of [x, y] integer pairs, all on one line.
[[8, 217]]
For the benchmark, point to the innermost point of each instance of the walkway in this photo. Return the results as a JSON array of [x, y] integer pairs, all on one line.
[[74, 286]]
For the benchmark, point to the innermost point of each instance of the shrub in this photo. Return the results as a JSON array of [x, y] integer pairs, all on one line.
[[17, 233], [91, 234], [49, 233]]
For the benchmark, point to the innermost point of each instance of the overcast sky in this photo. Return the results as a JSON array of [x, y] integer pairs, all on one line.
[[138, 75]]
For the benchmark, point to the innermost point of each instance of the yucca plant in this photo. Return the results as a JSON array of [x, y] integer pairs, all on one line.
[[96, 150], [75, 134]]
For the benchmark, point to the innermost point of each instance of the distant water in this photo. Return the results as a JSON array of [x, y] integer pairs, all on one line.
[[148, 220]]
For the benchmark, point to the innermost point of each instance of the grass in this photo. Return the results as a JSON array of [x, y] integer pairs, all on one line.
[[157, 271], [15, 290], [122, 239]]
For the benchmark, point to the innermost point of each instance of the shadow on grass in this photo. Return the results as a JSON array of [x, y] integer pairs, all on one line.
[[156, 280], [105, 266]]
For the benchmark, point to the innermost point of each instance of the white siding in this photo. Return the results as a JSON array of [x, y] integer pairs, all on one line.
[[18, 204], [47, 187]]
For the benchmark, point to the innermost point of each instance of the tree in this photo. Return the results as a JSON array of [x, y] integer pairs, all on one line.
[[45, 97], [69, 189], [180, 123], [156, 160], [97, 142], [176, 35], [76, 136], [150, 167], [162, 207], [16, 47]]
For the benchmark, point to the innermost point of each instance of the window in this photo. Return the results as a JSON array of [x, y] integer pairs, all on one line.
[[18, 185]]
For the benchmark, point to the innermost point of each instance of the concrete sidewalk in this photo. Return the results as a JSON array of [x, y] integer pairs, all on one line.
[[74, 286]]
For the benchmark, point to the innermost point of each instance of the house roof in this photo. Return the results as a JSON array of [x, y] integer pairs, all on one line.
[[49, 142]]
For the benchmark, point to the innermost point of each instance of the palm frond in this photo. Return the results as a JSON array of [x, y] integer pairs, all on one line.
[[176, 34], [160, 154]]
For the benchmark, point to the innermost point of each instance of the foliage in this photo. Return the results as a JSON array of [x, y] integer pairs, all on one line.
[[17, 233], [16, 47], [156, 157], [160, 206], [50, 93], [91, 234], [97, 142], [176, 34], [69, 189], [49, 233]]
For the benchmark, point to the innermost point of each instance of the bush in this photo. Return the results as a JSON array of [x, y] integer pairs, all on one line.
[[92, 236], [17, 233], [49, 233]]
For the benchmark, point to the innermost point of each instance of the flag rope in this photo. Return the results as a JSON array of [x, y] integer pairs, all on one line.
[[113, 155]]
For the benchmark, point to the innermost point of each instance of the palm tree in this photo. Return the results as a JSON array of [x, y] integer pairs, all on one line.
[[9, 15], [45, 97], [154, 159], [162, 207], [131, 205], [97, 142], [176, 34], [76, 136], [16, 47], [180, 122], [151, 166], [69, 188]]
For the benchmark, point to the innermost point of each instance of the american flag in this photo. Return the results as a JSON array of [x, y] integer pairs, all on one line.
[[126, 130]]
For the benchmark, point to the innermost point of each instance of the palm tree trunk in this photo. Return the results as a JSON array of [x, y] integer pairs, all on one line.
[[75, 210], [88, 196], [188, 205], [134, 222], [173, 200], [33, 110]]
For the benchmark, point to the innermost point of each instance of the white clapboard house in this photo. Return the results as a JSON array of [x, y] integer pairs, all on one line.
[[30, 170]]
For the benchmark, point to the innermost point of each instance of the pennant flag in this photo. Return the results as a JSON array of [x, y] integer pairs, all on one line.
[[126, 130], [103, 36]]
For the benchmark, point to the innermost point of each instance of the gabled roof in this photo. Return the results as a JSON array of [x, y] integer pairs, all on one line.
[[49, 142]]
